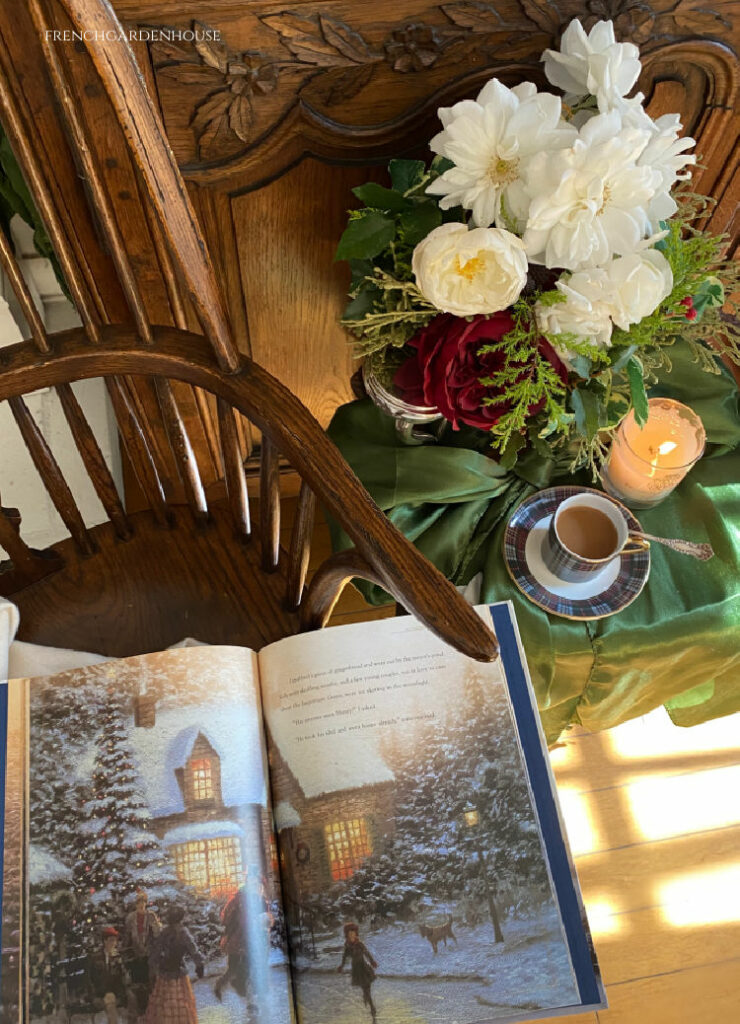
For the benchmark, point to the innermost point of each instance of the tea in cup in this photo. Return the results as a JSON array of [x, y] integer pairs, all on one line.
[[586, 533]]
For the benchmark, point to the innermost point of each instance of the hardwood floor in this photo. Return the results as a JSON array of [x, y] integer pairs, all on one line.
[[653, 817]]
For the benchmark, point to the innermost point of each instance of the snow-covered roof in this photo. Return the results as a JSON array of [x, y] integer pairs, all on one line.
[[234, 732], [350, 761], [196, 830], [286, 816], [44, 868]]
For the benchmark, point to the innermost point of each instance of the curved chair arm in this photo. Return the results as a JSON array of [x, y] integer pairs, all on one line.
[[179, 355]]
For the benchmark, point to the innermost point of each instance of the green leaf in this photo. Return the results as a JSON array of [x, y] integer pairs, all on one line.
[[440, 164], [588, 409], [417, 222], [624, 357], [406, 174], [361, 305], [662, 244], [361, 269], [710, 293], [637, 390], [366, 235], [380, 198], [581, 364], [558, 422], [514, 445]]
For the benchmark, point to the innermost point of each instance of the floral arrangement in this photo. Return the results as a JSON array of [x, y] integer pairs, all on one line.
[[530, 281]]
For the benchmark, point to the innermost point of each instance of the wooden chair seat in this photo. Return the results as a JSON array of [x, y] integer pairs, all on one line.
[[146, 593]]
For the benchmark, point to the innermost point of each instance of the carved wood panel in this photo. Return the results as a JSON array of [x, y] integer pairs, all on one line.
[[246, 92]]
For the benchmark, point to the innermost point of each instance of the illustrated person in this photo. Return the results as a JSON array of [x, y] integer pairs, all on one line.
[[244, 917], [172, 1000], [110, 981], [141, 929], [363, 965]]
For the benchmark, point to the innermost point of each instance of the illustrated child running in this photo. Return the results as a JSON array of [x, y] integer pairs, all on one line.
[[363, 964]]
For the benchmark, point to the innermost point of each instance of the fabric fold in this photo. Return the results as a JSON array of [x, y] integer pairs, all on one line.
[[677, 644]]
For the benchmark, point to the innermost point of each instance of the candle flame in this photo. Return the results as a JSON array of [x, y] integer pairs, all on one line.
[[666, 446]]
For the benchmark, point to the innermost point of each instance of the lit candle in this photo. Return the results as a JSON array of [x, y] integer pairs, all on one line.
[[646, 463]]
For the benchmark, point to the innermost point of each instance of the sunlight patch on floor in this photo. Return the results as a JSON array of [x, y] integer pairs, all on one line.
[[702, 897], [582, 832], [655, 736], [602, 917], [677, 804]]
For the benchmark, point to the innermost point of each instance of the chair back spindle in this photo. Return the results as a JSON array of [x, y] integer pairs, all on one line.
[[269, 504], [300, 546], [236, 482], [51, 475]]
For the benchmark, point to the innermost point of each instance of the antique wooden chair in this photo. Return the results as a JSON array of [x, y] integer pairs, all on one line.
[[141, 581]]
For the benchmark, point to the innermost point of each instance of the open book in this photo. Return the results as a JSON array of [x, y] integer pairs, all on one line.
[[356, 824]]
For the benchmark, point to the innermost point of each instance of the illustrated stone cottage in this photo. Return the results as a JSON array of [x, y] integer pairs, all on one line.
[[328, 829], [210, 812]]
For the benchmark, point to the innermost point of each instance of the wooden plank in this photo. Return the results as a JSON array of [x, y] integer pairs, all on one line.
[[644, 941], [293, 291], [649, 746], [705, 995]]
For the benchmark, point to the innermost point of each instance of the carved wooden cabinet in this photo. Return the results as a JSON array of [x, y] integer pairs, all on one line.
[[274, 111]]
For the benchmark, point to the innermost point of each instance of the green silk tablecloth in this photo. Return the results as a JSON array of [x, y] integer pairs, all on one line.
[[677, 644]]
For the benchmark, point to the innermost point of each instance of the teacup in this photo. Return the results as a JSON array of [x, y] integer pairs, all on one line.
[[586, 533]]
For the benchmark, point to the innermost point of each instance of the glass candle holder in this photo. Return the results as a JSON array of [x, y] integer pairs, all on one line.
[[646, 463]]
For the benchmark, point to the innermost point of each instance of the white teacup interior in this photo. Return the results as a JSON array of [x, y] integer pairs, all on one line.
[[602, 504]]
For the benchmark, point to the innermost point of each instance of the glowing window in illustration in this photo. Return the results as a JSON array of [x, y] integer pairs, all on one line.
[[212, 866], [348, 844], [202, 779]]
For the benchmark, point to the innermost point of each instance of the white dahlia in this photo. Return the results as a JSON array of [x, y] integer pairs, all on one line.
[[594, 64], [666, 154], [590, 202], [490, 141]]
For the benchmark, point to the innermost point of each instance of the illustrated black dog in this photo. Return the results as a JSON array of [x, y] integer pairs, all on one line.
[[438, 933]]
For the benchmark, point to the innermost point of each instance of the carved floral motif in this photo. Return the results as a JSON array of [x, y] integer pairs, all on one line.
[[325, 61]]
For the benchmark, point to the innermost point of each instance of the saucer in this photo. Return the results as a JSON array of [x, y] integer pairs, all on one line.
[[600, 594]]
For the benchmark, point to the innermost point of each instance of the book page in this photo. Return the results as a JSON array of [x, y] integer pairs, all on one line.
[[143, 882], [416, 886]]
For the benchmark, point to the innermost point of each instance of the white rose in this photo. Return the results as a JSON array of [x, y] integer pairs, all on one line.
[[638, 284], [467, 272], [585, 313], [594, 64]]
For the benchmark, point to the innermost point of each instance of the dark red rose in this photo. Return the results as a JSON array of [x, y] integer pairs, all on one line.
[[447, 366]]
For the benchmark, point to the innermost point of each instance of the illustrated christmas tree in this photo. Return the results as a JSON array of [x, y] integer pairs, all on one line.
[[463, 825], [64, 720], [118, 852]]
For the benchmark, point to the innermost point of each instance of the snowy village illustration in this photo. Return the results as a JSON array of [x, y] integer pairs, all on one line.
[[415, 886], [143, 887], [151, 860]]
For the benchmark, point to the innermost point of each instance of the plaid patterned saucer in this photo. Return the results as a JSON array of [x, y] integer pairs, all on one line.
[[603, 593]]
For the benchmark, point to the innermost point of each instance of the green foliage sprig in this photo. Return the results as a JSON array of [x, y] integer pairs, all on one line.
[[386, 307]]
